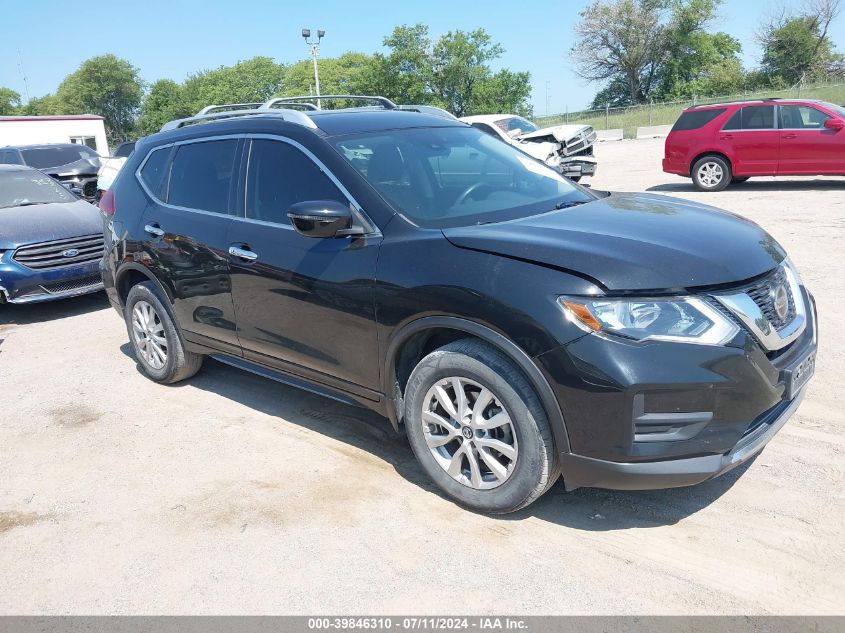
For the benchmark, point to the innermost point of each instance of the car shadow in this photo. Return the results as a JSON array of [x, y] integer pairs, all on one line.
[[584, 509], [26, 313], [758, 185]]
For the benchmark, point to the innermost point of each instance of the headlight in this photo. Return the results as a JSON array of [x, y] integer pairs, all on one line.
[[683, 320]]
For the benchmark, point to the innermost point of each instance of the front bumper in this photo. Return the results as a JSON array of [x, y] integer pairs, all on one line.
[[579, 472], [659, 415], [19, 284], [577, 167]]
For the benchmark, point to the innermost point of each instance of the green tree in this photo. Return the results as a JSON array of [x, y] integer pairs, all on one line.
[[108, 86], [10, 101], [623, 43], [251, 81], [655, 49], [451, 72], [798, 47], [41, 106], [338, 75], [163, 103], [698, 62]]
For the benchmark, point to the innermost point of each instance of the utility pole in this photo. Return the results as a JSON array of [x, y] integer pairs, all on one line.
[[23, 76], [315, 51], [547, 97]]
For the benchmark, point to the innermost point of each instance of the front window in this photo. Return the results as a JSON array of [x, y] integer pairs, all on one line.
[[46, 157], [456, 176], [516, 125], [798, 117], [26, 187]]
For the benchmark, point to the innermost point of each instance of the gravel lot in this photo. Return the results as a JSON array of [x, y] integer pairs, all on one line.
[[233, 494]]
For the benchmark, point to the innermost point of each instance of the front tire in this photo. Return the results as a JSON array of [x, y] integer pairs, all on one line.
[[478, 429], [158, 348], [711, 173]]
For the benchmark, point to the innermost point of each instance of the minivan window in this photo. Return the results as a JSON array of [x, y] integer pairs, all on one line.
[[695, 119], [752, 118], [153, 171], [201, 175], [798, 117], [456, 176], [280, 175]]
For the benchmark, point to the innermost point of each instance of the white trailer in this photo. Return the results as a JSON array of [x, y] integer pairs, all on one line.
[[84, 129]]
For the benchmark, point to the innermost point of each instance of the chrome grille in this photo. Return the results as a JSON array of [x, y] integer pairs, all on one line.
[[762, 293], [55, 254]]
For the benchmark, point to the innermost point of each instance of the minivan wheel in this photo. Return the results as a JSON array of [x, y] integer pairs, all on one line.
[[478, 429], [711, 173], [158, 348]]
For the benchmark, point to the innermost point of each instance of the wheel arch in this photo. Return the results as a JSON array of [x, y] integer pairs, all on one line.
[[417, 338], [131, 274], [711, 152]]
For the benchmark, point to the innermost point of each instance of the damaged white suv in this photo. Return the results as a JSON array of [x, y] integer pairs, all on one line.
[[567, 148]]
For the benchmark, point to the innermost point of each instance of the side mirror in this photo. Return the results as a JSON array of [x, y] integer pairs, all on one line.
[[321, 218], [834, 124]]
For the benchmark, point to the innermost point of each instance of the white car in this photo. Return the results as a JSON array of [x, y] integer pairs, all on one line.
[[567, 148]]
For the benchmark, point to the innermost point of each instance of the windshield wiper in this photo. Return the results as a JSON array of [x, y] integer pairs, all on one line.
[[566, 205]]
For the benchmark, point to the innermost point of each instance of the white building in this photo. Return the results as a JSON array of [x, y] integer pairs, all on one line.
[[84, 129]]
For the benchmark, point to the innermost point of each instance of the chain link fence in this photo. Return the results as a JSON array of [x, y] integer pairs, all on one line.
[[629, 118]]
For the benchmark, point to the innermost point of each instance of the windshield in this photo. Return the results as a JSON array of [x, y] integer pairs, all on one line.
[[44, 157], [25, 187], [516, 124], [456, 176]]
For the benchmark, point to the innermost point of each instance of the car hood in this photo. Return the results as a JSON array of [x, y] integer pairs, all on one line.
[[47, 222], [83, 166], [561, 133], [634, 242]]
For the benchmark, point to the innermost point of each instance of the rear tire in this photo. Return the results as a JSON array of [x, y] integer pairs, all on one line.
[[711, 173], [490, 448], [158, 348]]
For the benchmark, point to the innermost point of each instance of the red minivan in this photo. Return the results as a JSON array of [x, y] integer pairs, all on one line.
[[719, 144]]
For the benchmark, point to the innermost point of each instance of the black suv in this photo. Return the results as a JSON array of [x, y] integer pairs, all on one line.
[[517, 325]]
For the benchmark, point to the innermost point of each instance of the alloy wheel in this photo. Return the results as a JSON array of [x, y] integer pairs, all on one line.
[[469, 433], [148, 334], [710, 174]]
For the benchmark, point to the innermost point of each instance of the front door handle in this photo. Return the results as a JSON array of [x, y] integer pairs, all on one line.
[[154, 229], [790, 136], [241, 253]]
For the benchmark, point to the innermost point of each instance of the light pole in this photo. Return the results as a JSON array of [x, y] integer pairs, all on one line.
[[315, 50]]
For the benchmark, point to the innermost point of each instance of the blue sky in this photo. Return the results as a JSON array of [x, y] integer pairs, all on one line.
[[170, 39]]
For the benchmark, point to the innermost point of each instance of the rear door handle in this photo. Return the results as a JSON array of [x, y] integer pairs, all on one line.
[[727, 137], [790, 136], [154, 229], [241, 253]]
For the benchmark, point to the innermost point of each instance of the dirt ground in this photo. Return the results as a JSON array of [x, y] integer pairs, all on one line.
[[232, 494]]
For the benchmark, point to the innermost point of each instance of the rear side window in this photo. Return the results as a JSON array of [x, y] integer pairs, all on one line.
[[280, 176], [695, 119], [201, 175], [153, 171], [752, 118]]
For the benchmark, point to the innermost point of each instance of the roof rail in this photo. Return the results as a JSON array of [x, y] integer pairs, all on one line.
[[294, 116], [228, 107], [758, 100], [384, 102]]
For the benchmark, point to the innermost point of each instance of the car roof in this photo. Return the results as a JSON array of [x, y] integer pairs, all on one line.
[[486, 118], [41, 146], [744, 102], [327, 123]]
